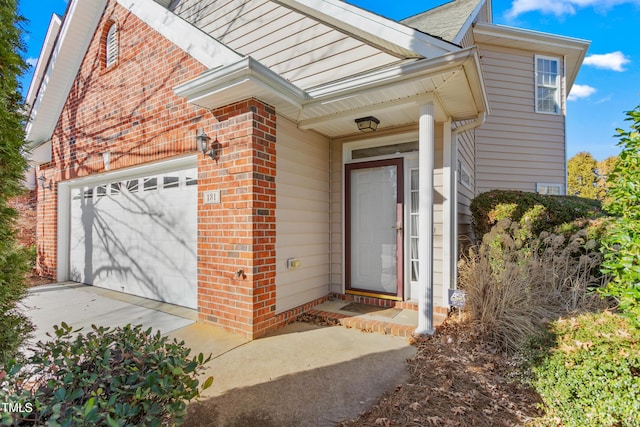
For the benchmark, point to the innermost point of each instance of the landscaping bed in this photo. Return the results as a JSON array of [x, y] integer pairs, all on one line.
[[456, 380]]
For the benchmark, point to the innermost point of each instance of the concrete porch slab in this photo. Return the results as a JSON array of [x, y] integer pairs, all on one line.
[[402, 324]]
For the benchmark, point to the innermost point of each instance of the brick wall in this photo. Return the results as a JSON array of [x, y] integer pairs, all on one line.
[[236, 237], [25, 205], [128, 110]]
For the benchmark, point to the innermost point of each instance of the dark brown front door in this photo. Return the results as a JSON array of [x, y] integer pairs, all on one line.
[[374, 232]]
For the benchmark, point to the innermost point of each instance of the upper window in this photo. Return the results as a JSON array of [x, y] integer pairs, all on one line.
[[547, 85], [111, 46]]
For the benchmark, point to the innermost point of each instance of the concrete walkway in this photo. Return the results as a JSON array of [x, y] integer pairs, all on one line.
[[302, 375]]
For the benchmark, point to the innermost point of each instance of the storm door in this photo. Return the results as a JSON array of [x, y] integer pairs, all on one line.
[[374, 232]]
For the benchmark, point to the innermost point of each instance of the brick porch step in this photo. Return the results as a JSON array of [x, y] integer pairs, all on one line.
[[367, 318]]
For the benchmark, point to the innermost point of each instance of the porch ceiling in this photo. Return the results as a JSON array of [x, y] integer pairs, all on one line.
[[392, 94]]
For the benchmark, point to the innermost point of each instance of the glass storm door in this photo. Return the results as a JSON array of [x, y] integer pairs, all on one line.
[[374, 238]]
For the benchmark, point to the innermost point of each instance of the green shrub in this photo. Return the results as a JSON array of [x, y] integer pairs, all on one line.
[[622, 242], [592, 376], [515, 285], [112, 377], [14, 326], [538, 212]]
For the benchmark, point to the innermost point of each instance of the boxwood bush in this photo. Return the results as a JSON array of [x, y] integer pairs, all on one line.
[[539, 212], [591, 377], [124, 376]]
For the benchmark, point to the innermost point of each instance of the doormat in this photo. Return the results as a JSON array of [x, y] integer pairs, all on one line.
[[371, 310]]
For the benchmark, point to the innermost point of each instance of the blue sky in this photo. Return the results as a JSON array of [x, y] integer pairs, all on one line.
[[607, 86]]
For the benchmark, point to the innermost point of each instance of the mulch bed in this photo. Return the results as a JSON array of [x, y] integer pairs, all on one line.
[[456, 380]]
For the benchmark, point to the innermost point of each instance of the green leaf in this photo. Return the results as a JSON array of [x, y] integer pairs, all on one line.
[[208, 382], [60, 393], [112, 422]]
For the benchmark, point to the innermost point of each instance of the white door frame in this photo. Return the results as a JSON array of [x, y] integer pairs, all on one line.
[[410, 160]]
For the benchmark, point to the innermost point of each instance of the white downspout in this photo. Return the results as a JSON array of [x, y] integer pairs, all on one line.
[[453, 196]]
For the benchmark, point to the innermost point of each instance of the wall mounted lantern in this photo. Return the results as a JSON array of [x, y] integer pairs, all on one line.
[[208, 147], [367, 124], [42, 180]]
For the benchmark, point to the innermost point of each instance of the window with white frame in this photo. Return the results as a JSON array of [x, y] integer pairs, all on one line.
[[550, 189], [111, 46], [547, 84], [464, 176]]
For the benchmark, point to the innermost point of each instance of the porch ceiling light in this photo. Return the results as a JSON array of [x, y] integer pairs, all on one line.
[[205, 145], [367, 124]]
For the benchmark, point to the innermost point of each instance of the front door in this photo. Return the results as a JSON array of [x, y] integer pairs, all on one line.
[[374, 237]]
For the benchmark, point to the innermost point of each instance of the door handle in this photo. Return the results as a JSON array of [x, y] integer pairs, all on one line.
[[397, 227]]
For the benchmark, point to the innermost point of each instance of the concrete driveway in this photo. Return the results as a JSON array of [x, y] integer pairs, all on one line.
[[301, 375], [81, 305]]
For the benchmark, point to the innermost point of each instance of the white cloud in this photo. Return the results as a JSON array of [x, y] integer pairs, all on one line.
[[609, 61], [561, 7], [32, 62], [580, 91]]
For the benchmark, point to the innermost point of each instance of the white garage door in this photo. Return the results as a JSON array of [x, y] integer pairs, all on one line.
[[138, 236]]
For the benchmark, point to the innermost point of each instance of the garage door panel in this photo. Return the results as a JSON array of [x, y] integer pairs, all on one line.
[[138, 237]]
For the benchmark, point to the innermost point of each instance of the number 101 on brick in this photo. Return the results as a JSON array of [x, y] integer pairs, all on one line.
[[211, 197]]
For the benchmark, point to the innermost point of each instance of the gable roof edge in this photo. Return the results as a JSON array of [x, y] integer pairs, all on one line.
[[65, 58], [469, 22], [575, 49], [201, 46], [375, 29], [41, 66]]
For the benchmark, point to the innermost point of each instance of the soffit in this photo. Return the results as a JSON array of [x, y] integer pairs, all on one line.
[[392, 94]]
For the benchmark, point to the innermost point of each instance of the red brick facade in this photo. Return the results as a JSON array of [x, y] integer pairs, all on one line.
[[237, 237], [131, 111]]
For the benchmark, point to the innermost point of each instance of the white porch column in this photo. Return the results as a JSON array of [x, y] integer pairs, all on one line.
[[425, 224]]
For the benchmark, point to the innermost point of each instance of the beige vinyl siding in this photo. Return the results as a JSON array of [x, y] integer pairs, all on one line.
[[467, 39], [337, 196], [299, 48], [438, 226], [302, 215], [466, 156], [516, 147]]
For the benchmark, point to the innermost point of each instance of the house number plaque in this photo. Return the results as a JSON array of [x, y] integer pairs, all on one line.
[[211, 197]]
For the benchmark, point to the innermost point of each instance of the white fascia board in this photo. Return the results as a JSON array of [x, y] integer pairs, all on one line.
[[473, 71], [245, 71], [531, 36], [78, 27], [187, 37], [41, 66], [371, 28], [383, 77], [465, 60]]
